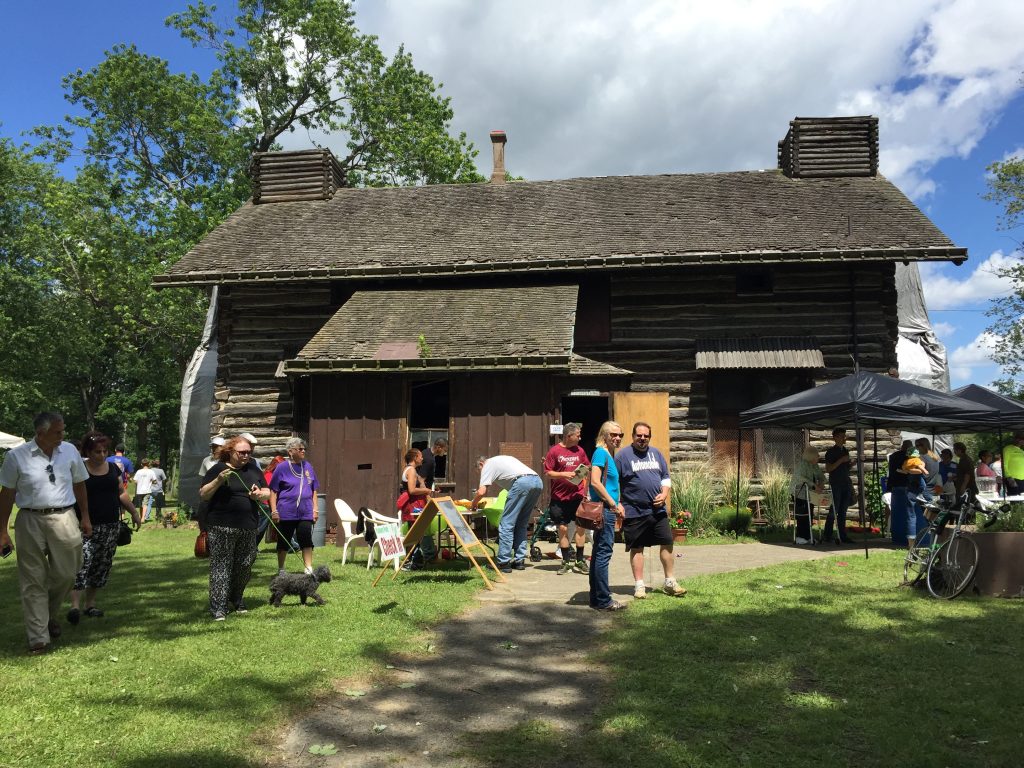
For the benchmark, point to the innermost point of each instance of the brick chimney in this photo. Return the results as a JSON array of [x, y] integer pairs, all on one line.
[[309, 174], [498, 140], [823, 147]]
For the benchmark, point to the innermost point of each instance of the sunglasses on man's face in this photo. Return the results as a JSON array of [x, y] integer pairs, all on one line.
[[243, 453], [641, 437]]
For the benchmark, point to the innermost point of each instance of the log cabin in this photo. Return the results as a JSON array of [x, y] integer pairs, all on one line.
[[369, 320]]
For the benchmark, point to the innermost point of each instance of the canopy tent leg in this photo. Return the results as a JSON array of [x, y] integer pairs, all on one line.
[[860, 482]]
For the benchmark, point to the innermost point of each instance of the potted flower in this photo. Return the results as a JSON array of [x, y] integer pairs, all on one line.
[[679, 522]]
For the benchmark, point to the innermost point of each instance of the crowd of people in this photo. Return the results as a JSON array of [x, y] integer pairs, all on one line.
[[916, 474], [71, 502]]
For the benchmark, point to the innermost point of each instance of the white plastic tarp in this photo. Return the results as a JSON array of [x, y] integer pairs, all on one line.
[[921, 356], [197, 390]]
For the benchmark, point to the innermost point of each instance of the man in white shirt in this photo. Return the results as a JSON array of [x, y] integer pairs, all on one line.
[[159, 478], [524, 487], [45, 477], [144, 480]]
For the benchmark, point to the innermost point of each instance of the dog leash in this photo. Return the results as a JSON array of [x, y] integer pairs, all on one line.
[[265, 509]]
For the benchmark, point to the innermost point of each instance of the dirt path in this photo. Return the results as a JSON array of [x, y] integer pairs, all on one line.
[[513, 660]]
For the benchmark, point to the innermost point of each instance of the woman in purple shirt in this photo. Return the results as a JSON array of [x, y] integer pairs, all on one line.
[[293, 489]]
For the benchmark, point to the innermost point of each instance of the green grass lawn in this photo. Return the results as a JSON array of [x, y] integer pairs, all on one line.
[[825, 663], [156, 682]]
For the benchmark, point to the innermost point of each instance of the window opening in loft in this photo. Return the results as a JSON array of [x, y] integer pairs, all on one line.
[[429, 410], [755, 282]]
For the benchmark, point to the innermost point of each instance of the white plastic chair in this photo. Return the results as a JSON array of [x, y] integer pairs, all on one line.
[[349, 519], [378, 519]]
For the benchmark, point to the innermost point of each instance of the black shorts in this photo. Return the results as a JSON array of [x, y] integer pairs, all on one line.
[[647, 531], [563, 512], [302, 530]]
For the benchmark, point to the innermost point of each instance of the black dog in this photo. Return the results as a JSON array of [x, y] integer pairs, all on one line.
[[302, 584]]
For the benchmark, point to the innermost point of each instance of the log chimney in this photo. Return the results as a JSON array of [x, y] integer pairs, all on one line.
[[310, 174], [822, 147]]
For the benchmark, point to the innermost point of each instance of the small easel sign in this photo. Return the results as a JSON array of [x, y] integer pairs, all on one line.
[[448, 510], [389, 537]]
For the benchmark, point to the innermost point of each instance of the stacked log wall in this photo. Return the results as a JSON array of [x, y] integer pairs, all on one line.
[[657, 316], [258, 326]]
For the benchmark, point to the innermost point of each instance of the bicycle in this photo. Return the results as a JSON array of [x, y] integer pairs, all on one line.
[[948, 565]]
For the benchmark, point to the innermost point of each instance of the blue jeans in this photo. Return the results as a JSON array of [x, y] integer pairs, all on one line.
[[601, 556], [916, 521], [841, 498], [898, 520], [522, 498]]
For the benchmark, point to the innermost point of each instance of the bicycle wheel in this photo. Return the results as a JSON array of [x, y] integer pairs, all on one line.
[[952, 567], [915, 565]]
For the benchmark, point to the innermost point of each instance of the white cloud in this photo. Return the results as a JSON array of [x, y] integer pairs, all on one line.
[[588, 88], [943, 329], [973, 289], [973, 361]]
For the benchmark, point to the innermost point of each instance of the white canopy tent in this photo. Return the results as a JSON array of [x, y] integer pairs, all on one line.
[[9, 441]]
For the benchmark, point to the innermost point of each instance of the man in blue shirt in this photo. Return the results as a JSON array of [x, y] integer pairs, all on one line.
[[123, 463], [645, 487]]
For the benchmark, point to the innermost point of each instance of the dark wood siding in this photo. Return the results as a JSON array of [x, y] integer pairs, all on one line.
[[656, 316]]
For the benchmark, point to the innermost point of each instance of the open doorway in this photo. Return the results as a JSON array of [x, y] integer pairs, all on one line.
[[428, 419], [589, 411]]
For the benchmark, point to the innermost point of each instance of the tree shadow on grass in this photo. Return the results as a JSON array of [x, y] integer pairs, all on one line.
[[743, 672]]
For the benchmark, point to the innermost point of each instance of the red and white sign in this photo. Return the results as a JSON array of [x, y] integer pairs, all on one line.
[[390, 539]]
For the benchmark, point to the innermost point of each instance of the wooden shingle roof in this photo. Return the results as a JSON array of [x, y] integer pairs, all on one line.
[[493, 328], [565, 225], [760, 352]]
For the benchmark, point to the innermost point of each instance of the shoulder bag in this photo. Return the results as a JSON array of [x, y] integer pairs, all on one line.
[[590, 514]]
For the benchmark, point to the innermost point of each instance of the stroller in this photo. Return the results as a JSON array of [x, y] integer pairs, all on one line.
[[541, 530]]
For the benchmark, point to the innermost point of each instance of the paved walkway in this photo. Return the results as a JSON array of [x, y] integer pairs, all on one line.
[[516, 658]]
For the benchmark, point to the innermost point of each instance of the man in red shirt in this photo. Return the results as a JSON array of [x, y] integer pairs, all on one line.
[[565, 466]]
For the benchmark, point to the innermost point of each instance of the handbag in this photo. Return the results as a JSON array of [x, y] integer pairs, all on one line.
[[590, 514], [201, 549], [124, 535]]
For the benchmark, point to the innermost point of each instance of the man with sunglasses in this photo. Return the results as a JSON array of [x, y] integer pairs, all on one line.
[[645, 487], [45, 477]]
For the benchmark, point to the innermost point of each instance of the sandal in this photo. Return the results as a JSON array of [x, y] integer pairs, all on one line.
[[93, 612]]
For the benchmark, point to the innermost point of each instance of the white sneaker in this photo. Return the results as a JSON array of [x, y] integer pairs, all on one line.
[[640, 592], [800, 540]]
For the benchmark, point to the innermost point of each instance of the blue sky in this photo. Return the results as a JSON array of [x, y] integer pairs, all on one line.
[[605, 87]]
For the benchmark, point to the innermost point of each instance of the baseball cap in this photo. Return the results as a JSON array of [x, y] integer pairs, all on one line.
[[249, 438], [217, 441]]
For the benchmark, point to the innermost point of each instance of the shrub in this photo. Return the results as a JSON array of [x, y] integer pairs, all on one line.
[[694, 490], [775, 482], [726, 520]]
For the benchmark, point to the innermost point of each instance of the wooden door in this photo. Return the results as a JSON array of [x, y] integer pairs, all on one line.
[[369, 474], [652, 407]]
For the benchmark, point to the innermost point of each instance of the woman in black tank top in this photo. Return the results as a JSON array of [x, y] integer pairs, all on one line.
[[107, 495]]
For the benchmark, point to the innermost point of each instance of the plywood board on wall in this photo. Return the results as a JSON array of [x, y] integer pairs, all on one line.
[[652, 407]]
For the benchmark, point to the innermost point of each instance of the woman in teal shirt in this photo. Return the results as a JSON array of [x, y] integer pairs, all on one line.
[[604, 487]]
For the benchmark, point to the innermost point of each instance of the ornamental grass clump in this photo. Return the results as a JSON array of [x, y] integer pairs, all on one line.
[[726, 473], [693, 490], [775, 487]]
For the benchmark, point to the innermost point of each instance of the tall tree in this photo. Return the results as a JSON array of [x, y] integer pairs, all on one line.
[[165, 156], [1006, 187], [304, 64]]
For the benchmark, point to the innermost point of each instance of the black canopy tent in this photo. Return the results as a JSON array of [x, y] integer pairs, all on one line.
[[1011, 412], [866, 399]]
